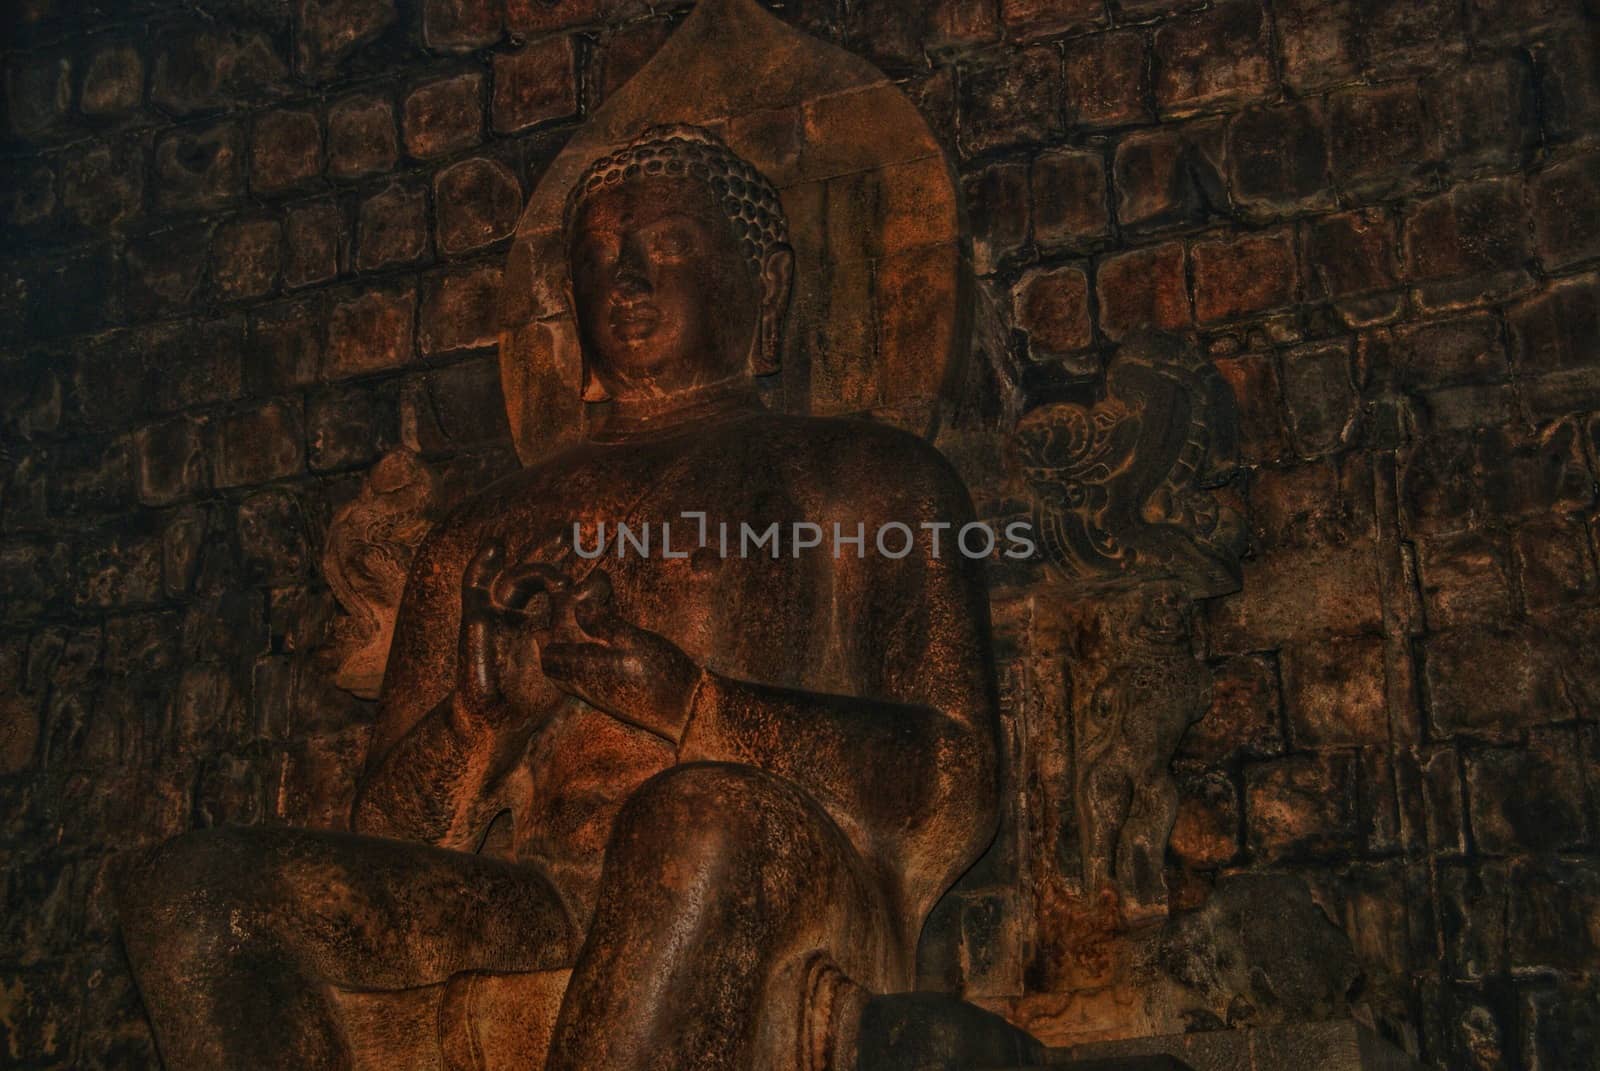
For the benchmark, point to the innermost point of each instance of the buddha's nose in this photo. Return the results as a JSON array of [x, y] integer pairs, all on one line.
[[629, 278]]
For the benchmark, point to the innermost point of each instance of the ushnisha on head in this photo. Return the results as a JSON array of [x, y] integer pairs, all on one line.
[[681, 266]]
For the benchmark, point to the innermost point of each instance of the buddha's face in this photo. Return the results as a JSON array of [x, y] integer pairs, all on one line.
[[665, 297]]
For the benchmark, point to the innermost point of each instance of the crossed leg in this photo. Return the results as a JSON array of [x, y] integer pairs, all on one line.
[[721, 882], [237, 936]]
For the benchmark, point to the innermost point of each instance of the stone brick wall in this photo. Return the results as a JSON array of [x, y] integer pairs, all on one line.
[[251, 244]]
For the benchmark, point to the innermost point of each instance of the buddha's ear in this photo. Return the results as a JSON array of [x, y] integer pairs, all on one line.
[[777, 282], [591, 390]]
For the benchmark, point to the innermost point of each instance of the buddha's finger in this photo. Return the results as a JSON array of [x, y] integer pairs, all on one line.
[[484, 566], [514, 587]]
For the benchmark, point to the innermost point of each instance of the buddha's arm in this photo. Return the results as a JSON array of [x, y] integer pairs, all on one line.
[[434, 764], [914, 769]]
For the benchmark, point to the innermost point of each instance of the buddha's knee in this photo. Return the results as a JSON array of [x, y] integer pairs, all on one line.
[[726, 824], [193, 899]]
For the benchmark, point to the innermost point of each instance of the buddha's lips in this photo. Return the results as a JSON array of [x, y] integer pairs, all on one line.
[[633, 322]]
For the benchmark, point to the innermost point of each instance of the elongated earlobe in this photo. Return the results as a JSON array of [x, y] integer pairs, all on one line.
[[777, 280]]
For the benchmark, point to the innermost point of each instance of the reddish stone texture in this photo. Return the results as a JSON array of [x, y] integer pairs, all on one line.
[[1243, 275], [1301, 807], [1244, 719], [200, 169], [534, 85], [327, 32], [1317, 42], [1466, 579], [1026, 18], [1477, 227], [1278, 159], [213, 69], [285, 151], [621, 53], [997, 197], [1484, 115], [1557, 329], [1142, 288], [441, 117], [1206, 833], [113, 81], [316, 241], [1105, 79], [361, 137], [541, 16], [1052, 309], [103, 186], [1566, 212], [1069, 197], [392, 227], [1335, 692], [461, 25], [460, 310], [477, 203], [38, 91], [1403, 39], [369, 332], [1212, 59], [246, 258], [1014, 102], [1351, 253], [260, 444], [1381, 139], [1567, 67]]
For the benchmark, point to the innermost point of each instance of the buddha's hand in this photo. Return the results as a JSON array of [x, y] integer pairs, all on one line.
[[504, 608], [635, 675]]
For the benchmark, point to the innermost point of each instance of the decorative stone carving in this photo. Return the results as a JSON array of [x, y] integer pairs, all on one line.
[[1136, 688], [367, 556], [1122, 488]]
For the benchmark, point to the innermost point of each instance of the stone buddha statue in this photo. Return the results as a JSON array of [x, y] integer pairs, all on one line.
[[721, 786]]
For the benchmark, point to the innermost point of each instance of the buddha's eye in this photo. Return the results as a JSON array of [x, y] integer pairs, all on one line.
[[671, 243]]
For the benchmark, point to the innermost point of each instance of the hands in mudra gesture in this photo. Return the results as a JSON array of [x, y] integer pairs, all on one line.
[[530, 634]]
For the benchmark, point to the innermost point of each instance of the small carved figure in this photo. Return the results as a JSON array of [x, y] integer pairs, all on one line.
[[368, 554], [1137, 687], [1120, 488]]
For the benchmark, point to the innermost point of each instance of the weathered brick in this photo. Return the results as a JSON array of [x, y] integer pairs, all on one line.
[[170, 461], [1518, 19], [1052, 309], [1206, 832], [1069, 197], [1558, 328], [1212, 59], [461, 25], [1299, 592], [1169, 176], [1351, 253], [457, 398], [477, 202], [256, 445], [103, 186], [1467, 350], [1474, 228], [536, 84], [1243, 275], [1554, 920], [273, 544], [118, 570], [38, 92], [1325, 503], [1033, 18], [1568, 70], [621, 52], [29, 197], [1381, 139], [1105, 79], [246, 257], [392, 227], [1466, 579], [1566, 212], [1486, 115], [1301, 807], [316, 243], [369, 332], [1317, 41], [529, 17], [1244, 718], [215, 69], [1558, 1020], [285, 347], [348, 428], [200, 169], [997, 200], [91, 477], [286, 151], [1142, 288], [361, 137], [1011, 103], [1533, 474], [1555, 564], [113, 82], [1278, 159], [327, 32], [1528, 799], [1334, 691], [460, 309], [197, 363], [443, 116], [1318, 396], [1443, 802], [1410, 38]]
